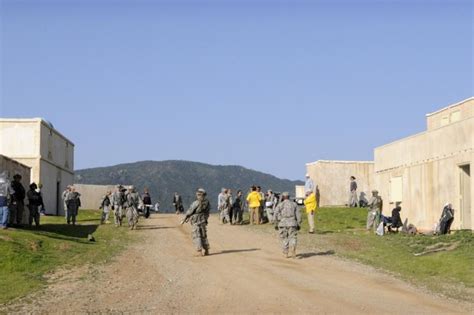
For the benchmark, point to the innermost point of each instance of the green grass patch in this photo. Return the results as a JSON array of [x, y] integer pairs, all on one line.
[[342, 231], [27, 255]]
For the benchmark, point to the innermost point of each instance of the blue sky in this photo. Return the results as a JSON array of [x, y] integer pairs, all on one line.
[[269, 85]]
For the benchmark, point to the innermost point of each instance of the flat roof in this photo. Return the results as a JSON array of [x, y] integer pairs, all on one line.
[[36, 120], [450, 106], [341, 162]]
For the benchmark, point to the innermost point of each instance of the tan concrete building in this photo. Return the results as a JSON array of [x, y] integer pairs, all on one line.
[[35, 143], [333, 179], [428, 170]]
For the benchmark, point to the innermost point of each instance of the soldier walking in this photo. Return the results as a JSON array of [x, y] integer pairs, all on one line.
[[375, 211], [198, 214], [73, 203], [134, 202], [287, 223], [105, 206], [118, 203]]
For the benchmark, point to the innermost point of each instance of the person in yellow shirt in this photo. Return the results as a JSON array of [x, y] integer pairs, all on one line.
[[311, 205], [253, 201]]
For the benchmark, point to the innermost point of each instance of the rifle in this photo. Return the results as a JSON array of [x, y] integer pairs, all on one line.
[[189, 214]]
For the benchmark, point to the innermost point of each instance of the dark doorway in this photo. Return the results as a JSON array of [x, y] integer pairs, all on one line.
[[465, 196]]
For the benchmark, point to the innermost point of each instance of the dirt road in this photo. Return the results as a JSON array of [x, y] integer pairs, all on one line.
[[245, 273]]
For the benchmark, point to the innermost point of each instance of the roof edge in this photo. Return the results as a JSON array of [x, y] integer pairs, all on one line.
[[340, 162], [450, 106]]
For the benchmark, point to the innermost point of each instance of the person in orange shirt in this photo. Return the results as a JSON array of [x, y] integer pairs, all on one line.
[[254, 201]]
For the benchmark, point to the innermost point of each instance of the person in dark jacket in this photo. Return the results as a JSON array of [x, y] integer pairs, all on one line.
[[178, 203], [35, 201], [396, 218], [447, 218], [17, 203], [146, 203], [237, 208]]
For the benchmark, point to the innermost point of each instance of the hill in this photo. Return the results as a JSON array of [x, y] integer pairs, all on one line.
[[163, 178]]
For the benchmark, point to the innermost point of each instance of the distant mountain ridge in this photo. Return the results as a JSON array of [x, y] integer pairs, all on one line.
[[163, 178]]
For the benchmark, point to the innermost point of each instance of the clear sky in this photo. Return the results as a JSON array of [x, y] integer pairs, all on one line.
[[269, 85]]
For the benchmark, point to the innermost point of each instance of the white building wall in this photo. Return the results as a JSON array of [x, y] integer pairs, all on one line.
[[429, 166], [333, 179], [34, 142]]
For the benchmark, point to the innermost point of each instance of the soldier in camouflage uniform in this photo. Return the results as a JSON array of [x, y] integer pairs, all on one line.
[[287, 218], [73, 203], [134, 202], [375, 211], [198, 214], [118, 201]]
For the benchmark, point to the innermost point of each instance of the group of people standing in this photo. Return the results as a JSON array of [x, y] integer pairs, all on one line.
[[12, 202], [125, 202]]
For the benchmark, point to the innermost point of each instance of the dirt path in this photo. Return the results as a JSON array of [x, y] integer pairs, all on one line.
[[244, 274]]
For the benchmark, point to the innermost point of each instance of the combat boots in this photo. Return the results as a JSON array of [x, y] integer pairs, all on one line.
[[206, 252], [293, 252]]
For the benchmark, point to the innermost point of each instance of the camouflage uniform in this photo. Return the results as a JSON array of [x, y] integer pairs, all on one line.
[[105, 206], [225, 208], [73, 203], [198, 214], [375, 210], [118, 200], [134, 201], [288, 221], [270, 204], [64, 196]]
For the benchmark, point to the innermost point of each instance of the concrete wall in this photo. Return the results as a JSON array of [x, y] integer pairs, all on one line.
[[450, 114], [13, 167], [91, 195], [299, 191], [34, 142], [333, 179], [427, 166]]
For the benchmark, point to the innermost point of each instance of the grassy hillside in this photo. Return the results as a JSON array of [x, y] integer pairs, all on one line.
[[165, 177]]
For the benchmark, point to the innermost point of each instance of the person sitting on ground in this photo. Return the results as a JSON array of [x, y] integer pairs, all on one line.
[[396, 218], [447, 218], [363, 202]]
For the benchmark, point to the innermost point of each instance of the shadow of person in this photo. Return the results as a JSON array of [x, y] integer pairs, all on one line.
[[156, 227], [77, 231], [232, 251], [309, 255]]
